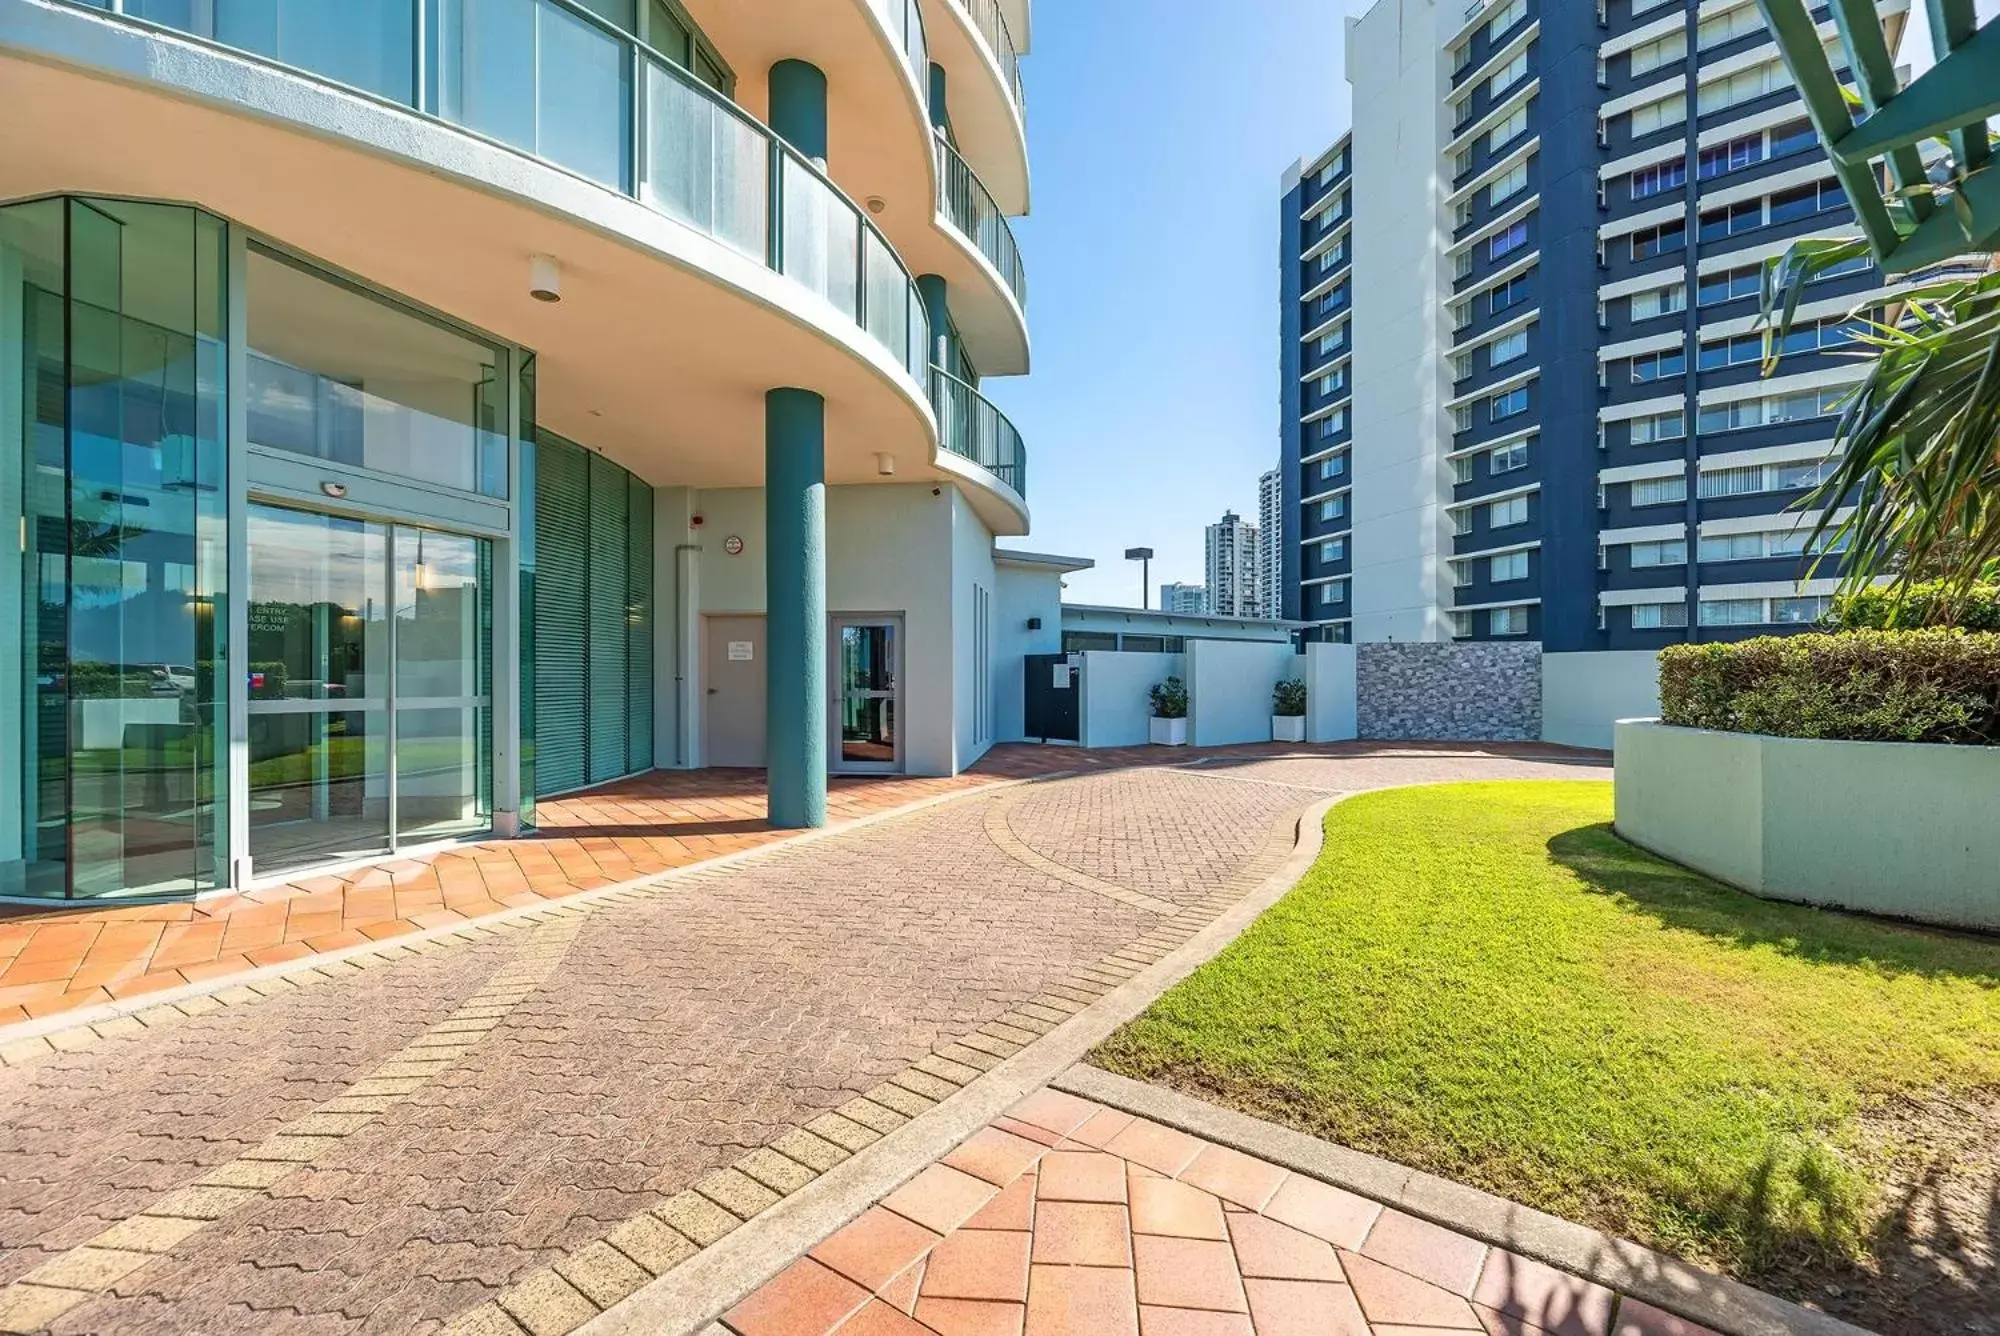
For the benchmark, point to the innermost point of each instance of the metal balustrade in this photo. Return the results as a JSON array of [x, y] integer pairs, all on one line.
[[992, 25], [971, 427], [555, 81], [965, 202]]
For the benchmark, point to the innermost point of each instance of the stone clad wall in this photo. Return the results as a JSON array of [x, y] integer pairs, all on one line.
[[1473, 692]]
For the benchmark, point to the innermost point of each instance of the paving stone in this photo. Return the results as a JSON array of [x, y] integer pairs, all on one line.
[[735, 1191], [586, 1085], [546, 1304], [89, 1268], [651, 1244], [774, 1171], [812, 1151], [602, 1274], [697, 1217]]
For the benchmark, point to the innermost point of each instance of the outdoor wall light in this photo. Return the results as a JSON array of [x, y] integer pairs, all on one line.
[[876, 204], [544, 278]]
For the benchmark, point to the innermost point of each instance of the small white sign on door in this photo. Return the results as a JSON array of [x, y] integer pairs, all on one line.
[[1062, 677], [742, 651]]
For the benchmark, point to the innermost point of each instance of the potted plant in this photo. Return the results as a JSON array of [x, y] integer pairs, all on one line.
[[1170, 704], [1288, 711]]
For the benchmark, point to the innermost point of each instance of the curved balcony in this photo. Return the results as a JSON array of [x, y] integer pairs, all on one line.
[[551, 79], [974, 43], [965, 203], [970, 427]]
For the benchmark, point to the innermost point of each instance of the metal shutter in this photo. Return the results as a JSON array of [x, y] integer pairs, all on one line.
[[562, 565], [608, 619]]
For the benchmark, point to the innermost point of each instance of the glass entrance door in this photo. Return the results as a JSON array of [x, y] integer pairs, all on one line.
[[867, 674], [369, 686]]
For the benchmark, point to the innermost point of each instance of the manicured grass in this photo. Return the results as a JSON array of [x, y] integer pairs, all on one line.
[[1481, 980]]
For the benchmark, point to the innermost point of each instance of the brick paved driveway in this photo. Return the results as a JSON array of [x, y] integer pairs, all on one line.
[[401, 1146]]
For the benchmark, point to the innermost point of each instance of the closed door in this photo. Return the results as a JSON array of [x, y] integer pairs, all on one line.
[[867, 681], [733, 676]]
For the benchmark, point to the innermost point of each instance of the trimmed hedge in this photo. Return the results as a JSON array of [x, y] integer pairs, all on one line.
[[1862, 686], [1921, 605]]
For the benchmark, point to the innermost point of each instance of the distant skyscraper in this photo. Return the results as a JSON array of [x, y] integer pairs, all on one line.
[[1186, 599], [1270, 540], [1232, 568]]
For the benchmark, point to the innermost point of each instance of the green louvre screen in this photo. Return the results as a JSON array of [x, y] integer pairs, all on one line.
[[593, 619]]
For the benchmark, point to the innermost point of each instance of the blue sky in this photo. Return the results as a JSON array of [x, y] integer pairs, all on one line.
[[1157, 134]]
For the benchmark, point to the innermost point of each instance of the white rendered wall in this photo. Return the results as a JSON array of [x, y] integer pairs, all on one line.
[[889, 549], [1584, 694], [1330, 699], [1117, 707], [1402, 536], [974, 624], [1229, 689], [1021, 593]]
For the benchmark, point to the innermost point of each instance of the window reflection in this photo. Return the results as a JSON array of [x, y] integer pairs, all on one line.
[[343, 376]]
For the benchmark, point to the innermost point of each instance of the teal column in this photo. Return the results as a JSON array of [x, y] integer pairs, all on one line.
[[940, 118], [933, 290], [798, 107], [795, 605]]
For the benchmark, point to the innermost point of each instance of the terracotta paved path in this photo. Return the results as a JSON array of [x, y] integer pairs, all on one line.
[[1067, 1218], [395, 1148]]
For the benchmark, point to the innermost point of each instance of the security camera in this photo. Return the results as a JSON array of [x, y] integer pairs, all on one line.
[[937, 491]]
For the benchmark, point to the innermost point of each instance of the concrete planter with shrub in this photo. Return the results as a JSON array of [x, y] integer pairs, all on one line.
[[1288, 711], [1857, 771], [1170, 707]]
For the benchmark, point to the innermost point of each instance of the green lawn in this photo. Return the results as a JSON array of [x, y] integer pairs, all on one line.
[[1481, 980]]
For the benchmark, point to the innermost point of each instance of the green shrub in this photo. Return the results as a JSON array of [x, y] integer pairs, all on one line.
[[1919, 606], [1288, 698], [1169, 699], [1867, 686]]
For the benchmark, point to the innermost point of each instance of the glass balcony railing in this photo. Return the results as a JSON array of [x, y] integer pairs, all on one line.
[[972, 428], [906, 20], [992, 25], [964, 201], [556, 81]]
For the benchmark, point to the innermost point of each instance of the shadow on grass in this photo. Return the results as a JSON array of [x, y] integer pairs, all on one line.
[[1681, 898]]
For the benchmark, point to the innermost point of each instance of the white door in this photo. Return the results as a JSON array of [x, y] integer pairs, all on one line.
[[733, 675]]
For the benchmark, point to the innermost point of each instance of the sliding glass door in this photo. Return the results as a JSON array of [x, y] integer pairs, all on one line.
[[370, 686]]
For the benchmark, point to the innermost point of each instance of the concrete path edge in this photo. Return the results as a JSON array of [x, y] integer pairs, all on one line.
[[1618, 1264], [689, 1297]]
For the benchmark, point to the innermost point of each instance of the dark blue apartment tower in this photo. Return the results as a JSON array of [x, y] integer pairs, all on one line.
[[1555, 425], [1315, 389]]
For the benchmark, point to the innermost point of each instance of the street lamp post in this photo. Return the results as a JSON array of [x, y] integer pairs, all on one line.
[[1144, 556]]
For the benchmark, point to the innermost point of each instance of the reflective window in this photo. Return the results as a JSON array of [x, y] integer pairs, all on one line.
[[341, 375]]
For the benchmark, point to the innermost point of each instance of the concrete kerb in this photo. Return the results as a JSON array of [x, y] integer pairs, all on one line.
[[1618, 1264], [686, 1299], [83, 1018]]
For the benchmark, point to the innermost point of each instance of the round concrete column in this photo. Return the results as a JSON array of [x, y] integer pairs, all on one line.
[[940, 118], [795, 605], [798, 107], [937, 310]]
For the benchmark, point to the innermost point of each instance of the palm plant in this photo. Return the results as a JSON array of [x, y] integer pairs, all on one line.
[[1917, 442]]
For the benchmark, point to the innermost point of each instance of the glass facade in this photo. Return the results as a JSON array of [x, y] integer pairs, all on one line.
[[143, 750], [112, 434]]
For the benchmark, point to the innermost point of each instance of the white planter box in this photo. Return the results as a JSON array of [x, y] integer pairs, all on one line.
[[1900, 829], [1170, 732], [1288, 728]]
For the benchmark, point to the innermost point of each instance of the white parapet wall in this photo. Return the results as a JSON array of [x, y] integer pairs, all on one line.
[[1904, 830], [1117, 706], [1583, 695], [1330, 705], [1229, 689]]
